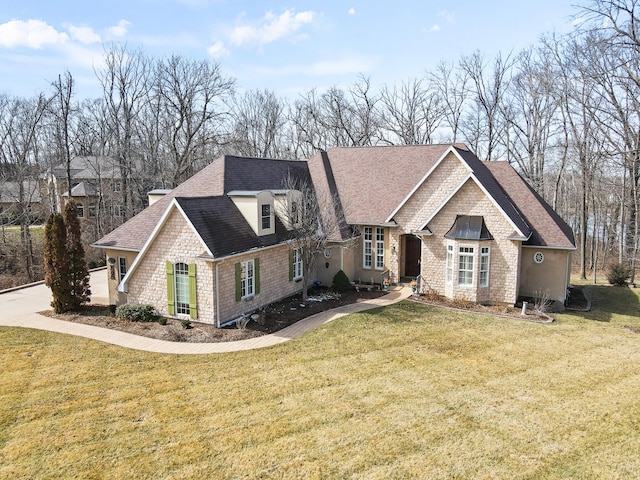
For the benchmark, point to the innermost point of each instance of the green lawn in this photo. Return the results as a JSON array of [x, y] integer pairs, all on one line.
[[404, 392]]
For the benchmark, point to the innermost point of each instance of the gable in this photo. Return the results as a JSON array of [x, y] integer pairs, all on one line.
[[470, 200]]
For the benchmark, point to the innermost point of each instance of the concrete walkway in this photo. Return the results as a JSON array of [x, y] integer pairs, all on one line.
[[19, 308]]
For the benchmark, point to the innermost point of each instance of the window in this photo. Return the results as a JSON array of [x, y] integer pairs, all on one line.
[[484, 267], [182, 288], [117, 186], [379, 248], [116, 210], [266, 216], [449, 264], [295, 213], [247, 279], [297, 263], [368, 237], [92, 210], [80, 210], [465, 266], [122, 267]]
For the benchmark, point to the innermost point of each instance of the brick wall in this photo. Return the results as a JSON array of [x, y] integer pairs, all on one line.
[[469, 200], [274, 282], [176, 242]]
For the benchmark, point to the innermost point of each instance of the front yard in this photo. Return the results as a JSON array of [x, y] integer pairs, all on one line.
[[410, 391]]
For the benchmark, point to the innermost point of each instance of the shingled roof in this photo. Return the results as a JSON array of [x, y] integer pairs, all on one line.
[[548, 228], [372, 181], [222, 227], [223, 175]]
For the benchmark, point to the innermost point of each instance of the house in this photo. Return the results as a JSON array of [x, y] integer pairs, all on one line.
[[20, 198], [96, 187], [217, 247]]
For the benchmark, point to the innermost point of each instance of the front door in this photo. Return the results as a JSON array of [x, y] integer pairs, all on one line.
[[412, 253]]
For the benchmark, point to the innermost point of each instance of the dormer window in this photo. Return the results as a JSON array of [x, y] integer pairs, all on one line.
[[295, 213], [266, 216]]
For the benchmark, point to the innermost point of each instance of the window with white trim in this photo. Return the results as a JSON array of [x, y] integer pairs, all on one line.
[[80, 210], [181, 278], [465, 266], [247, 278], [92, 210], [367, 260], [484, 266], [449, 264], [379, 248], [295, 213], [297, 263], [122, 267], [266, 216]]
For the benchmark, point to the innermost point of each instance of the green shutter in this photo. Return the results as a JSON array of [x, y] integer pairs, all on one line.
[[238, 282], [193, 305], [290, 264], [171, 294], [256, 273]]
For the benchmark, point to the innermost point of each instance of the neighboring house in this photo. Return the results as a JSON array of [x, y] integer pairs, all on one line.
[[16, 201], [95, 184], [216, 248]]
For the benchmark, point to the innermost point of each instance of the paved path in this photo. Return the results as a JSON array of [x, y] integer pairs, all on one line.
[[18, 309]]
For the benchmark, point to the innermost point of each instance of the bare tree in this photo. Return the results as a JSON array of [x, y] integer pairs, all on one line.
[[531, 116], [20, 122], [259, 125], [488, 84], [192, 97], [314, 217], [410, 113], [125, 82], [62, 107], [451, 83], [336, 118]]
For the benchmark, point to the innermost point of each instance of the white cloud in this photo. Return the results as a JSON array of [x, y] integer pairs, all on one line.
[[448, 16], [119, 30], [271, 28], [352, 11], [218, 50], [84, 35], [32, 33], [435, 28]]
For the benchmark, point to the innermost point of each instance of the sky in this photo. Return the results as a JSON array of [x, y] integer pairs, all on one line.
[[286, 46]]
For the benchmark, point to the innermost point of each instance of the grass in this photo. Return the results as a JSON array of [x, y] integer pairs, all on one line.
[[404, 392]]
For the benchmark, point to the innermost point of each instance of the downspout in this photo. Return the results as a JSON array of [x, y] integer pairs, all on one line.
[[217, 297]]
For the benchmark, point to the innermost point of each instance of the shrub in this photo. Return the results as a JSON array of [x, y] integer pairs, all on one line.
[[186, 324], [162, 320], [341, 283], [617, 274], [136, 312], [112, 309]]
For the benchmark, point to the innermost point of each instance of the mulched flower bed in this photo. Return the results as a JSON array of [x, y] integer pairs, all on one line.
[[274, 317]]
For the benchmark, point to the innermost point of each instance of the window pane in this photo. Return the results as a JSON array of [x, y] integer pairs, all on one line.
[[465, 266], [181, 273], [379, 248], [247, 278], [368, 247], [266, 216]]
